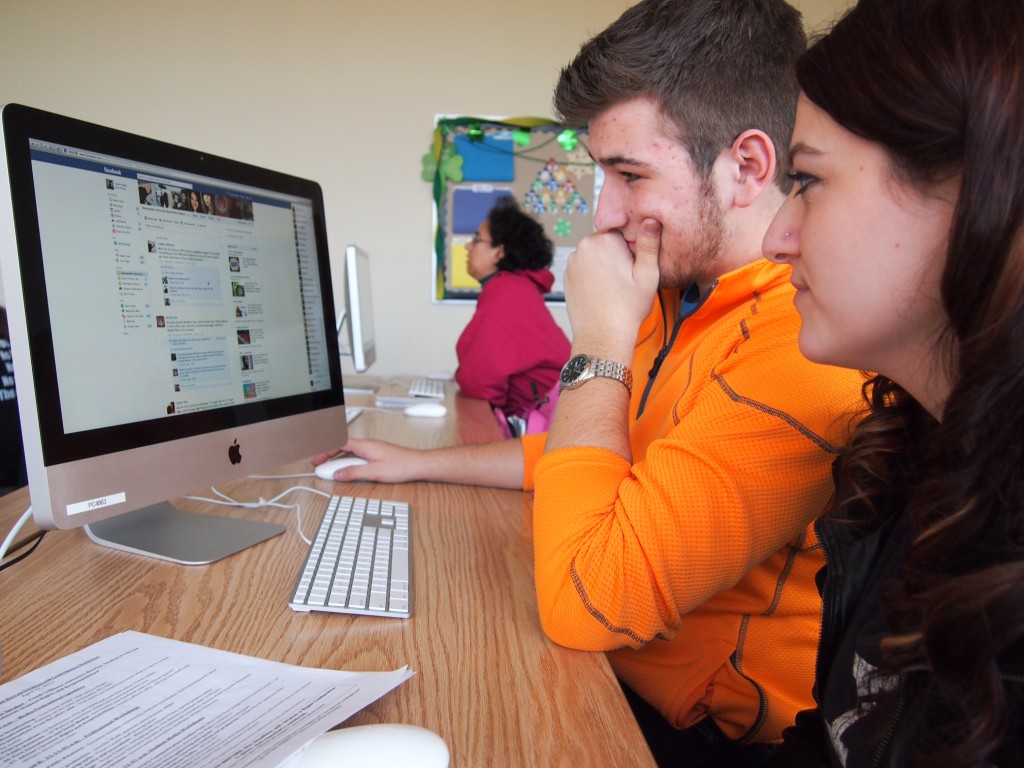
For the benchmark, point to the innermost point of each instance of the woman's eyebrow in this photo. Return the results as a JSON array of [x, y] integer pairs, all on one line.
[[800, 148]]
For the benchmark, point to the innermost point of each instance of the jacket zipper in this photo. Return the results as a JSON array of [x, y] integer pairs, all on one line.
[[825, 596], [897, 714], [667, 347]]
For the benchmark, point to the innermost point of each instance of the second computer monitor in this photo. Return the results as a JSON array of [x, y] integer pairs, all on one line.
[[360, 308]]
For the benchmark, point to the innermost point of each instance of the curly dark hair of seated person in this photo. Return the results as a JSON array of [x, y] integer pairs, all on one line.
[[939, 85], [525, 244]]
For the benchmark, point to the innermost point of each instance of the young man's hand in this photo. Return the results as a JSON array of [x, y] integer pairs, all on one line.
[[609, 290]]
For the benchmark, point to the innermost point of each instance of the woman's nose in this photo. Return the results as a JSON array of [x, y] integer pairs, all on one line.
[[781, 241]]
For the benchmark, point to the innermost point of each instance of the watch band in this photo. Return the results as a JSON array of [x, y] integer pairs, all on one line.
[[594, 367], [612, 370]]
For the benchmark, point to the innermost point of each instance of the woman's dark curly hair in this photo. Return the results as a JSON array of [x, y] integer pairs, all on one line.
[[939, 84], [523, 238]]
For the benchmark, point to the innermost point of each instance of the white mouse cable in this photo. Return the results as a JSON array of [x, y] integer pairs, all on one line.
[[14, 532], [227, 501]]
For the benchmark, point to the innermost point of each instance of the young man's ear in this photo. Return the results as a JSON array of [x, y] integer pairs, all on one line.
[[755, 163]]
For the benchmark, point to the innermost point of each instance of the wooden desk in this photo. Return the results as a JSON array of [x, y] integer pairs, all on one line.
[[488, 680]]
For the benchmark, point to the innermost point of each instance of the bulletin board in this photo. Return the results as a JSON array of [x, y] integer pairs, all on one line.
[[474, 161]]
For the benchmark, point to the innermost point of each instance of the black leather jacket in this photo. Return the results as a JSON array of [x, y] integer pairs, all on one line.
[[860, 557]]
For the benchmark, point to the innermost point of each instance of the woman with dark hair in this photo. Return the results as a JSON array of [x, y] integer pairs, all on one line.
[[905, 231], [512, 351]]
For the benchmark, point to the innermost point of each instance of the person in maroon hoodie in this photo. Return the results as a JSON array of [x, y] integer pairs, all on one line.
[[512, 351]]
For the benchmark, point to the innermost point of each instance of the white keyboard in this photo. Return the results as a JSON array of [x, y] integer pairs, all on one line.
[[359, 561], [351, 411], [426, 388]]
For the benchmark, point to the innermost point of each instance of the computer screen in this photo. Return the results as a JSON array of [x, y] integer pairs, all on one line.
[[171, 322], [360, 308]]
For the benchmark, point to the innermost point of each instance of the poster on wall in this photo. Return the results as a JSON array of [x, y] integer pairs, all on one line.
[[474, 161]]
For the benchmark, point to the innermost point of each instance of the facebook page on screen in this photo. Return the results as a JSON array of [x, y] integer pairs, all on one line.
[[172, 293]]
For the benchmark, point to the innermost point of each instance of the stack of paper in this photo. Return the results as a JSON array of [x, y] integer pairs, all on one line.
[[136, 699]]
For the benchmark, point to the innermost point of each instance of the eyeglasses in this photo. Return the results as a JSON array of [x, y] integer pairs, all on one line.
[[477, 239]]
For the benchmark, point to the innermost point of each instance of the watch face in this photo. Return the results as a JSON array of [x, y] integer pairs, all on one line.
[[574, 369]]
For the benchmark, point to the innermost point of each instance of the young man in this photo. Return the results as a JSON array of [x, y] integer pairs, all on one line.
[[692, 443]]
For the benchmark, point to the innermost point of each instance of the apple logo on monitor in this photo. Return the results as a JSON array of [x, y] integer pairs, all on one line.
[[235, 452]]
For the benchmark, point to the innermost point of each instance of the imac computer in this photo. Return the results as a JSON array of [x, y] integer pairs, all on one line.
[[172, 327], [359, 308]]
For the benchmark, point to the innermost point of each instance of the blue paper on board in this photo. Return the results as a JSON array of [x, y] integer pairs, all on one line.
[[489, 159], [470, 207]]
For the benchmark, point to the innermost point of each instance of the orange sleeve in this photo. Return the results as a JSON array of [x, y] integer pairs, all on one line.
[[533, 449], [622, 553]]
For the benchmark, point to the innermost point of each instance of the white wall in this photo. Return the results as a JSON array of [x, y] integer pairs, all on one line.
[[339, 91], [820, 14]]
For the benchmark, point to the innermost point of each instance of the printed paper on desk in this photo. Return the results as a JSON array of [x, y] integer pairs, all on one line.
[[136, 699]]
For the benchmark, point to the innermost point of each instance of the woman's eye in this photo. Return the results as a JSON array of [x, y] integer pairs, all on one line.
[[801, 180]]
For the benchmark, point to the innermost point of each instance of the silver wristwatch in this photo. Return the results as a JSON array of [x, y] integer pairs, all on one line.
[[582, 368]]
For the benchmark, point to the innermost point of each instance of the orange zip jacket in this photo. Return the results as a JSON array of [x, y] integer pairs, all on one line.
[[695, 566]]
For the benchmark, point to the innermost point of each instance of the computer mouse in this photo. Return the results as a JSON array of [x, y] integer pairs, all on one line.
[[435, 410], [441, 375], [382, 745], [326, 470]]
